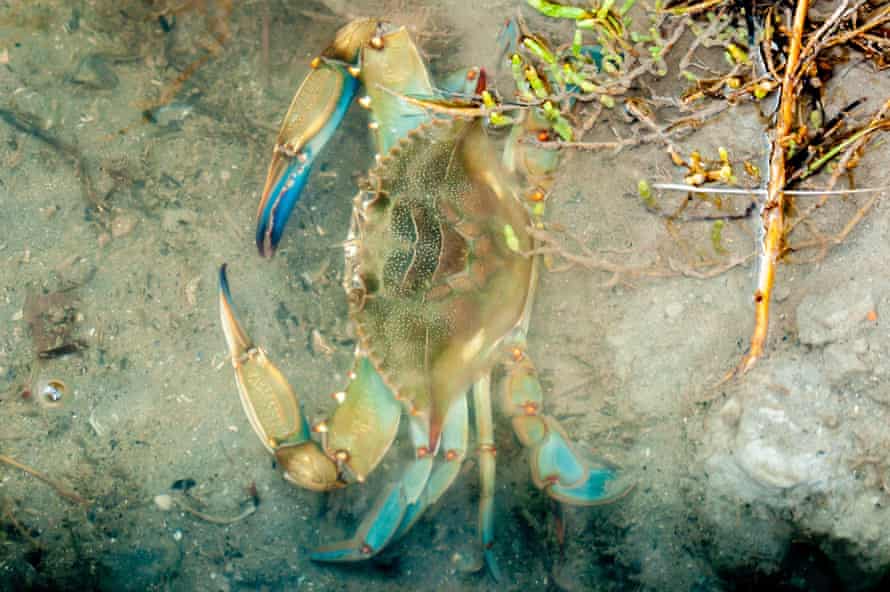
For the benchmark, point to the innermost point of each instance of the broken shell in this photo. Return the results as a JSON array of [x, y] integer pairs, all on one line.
[[51, 392], [164, 502]]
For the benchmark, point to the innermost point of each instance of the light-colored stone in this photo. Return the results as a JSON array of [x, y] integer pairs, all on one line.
[[164, 502], [123, 224], [785, 454]]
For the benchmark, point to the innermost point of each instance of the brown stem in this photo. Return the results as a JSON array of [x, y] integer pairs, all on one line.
[[773, 213], [880, 18], [60, 489], [222, 520]]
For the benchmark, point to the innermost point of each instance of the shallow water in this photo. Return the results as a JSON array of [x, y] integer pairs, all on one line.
[[125, 183]]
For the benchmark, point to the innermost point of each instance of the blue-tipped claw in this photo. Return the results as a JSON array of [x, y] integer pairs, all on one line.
[[277, 205], [314, 115]]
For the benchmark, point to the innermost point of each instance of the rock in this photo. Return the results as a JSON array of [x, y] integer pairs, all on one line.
[[164, 502], [782, 460], [783, 291], [824, 318], [772, 438], [123, 224]]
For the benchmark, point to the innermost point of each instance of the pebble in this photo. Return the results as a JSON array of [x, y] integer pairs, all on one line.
[[123, 224], [171, 115], [164, 502]]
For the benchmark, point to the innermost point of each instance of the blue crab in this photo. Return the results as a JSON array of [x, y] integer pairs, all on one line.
[[439, 286]]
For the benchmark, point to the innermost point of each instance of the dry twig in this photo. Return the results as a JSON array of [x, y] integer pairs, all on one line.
[[773, 212], [60, 489]]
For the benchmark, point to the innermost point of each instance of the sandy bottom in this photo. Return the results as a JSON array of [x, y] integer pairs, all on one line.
[[114, 226]]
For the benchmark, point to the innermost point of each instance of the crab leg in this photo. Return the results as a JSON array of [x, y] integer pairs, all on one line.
[[464, 83], [555, 466], [536, 164], [485, 441], [454, 449], [381, 524], [355, 439]]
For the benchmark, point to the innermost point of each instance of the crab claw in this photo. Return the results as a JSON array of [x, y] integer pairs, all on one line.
[[365, 51], [269, 402], [314, 115]]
